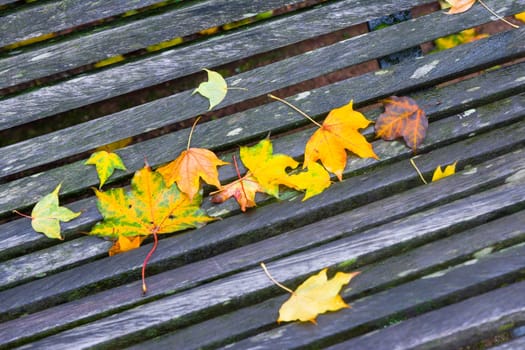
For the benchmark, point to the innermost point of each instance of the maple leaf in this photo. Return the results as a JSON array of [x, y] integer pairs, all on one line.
[[150, 207], [190, 166], [47, 214], [124, 244], [267, 168], [314, 296], [243, 190], [313, 181], [439, 173], [459, 6], [520, 16], [402, 117], [337, 134], [105, 163], [214, 89]]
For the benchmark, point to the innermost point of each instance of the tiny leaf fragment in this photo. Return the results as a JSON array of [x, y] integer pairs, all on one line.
[[439, 173]]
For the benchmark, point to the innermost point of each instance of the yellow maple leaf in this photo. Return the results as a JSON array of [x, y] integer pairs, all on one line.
[[439, 173], [520, 16], [267, 168], [314, 296], [337, 134], [313, 181]]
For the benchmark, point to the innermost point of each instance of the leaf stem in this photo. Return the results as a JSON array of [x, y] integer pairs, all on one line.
[[419, 172], [236, 88], [498, 16], [22, 214], [148, 257], [274, 280], [295, 109], [191, 132], [239, 174]]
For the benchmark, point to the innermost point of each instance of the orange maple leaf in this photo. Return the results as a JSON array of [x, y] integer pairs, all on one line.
[[402, 117], [243, 190], [338, 134], [124, 244], [191, 165]]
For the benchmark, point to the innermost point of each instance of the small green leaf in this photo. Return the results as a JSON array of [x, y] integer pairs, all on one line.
[[105, 164], [214, 89], [47, 213]]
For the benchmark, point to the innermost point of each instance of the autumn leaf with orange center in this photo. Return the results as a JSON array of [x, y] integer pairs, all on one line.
[[190, 166], [402, 118], [243, 190], [338, 133]]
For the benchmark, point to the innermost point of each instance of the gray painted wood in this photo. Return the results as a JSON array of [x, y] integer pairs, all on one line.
[[374, 278], [169, 65], [55, 16], [27, 154], [450, 327], [176, 310]]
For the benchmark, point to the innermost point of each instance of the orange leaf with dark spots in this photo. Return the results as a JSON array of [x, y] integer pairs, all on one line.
[[402, 118]]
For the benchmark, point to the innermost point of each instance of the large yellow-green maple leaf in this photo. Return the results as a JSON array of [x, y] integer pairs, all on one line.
[[149, 208]]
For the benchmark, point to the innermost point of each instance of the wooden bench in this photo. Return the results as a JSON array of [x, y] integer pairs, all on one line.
[[442, 265]]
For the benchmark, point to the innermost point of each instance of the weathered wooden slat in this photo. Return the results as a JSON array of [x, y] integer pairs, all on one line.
[[438, 67], [59, 57], [147, 72], [17, 236], [179, 309], [55, 16], [386, 273], [47, 261], [259, 121], [510, 229], [518, 343], [452, 326], [408, 298]]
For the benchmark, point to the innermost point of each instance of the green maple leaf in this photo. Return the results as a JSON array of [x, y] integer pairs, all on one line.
[[105, 164], [47, 214]]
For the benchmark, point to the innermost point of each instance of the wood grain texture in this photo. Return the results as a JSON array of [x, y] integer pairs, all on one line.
[[382, 307], [518, 343], [90, 88], [361, 218], [136, 120], [373, 279], [55, 16], [101, 44], [454, 284], [438, 330]]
